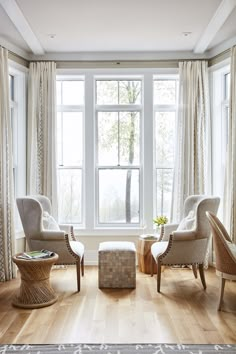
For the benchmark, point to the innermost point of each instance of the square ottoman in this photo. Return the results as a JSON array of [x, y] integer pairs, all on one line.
[[117, 265]]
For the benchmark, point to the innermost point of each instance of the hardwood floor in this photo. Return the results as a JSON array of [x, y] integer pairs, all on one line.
[[182, 313]]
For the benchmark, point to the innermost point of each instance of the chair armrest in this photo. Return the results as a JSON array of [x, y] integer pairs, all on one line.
[[52, 235], [168, 229], [184, 235], [69, 229], [66, 227]]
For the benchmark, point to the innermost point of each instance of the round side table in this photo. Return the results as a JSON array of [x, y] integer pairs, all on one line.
[[35, 290], [144, 254]]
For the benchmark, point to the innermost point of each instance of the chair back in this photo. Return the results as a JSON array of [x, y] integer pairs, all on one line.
[[199, 204], [225, 258], [31, 214]]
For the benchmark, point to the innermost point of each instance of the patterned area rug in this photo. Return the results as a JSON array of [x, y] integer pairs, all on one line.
[[118, 348]]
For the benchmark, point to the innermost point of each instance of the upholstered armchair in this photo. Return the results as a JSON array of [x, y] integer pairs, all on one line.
[[186, 243], [225, 254], [43, 232]]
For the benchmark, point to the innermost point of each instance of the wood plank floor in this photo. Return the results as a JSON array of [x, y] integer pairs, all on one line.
[[182, 313]]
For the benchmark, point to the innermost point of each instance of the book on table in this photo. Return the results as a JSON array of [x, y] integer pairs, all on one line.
[[36, 254]]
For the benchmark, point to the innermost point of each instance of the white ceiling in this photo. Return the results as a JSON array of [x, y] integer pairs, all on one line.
[[89, 29]]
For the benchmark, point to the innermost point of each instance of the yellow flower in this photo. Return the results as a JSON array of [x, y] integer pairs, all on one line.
[[160, 220]]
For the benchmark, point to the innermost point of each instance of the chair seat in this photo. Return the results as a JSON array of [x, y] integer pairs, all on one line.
[[158, 248], [77, 247]]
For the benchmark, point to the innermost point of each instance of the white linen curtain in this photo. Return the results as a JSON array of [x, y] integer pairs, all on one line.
[[190, 150], [229, 207], [7, 229], [41, 159]]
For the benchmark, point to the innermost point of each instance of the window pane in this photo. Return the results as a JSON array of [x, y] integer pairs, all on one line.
[[70, 195], [72, 92], [118, 138], [118, 196], [106, 92], [70, 138], [227, 86], [164, 92], [129, 92], [11, 87], [108, 138], [164, 179], [129, 138], [165, 126]]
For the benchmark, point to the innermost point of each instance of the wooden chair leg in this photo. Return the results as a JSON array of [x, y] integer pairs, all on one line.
[[158, 276], [194, 268], [82, 266], [222, 287], [152, 265], [202, 275], [78, 274]]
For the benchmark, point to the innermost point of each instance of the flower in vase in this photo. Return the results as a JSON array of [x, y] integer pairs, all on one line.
[[160, 220]]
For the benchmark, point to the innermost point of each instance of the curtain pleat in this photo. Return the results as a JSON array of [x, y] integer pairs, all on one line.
[[7, 229], [42, 172], [190, 148]]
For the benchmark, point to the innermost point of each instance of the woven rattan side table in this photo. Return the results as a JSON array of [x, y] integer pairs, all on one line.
[[35, 290]]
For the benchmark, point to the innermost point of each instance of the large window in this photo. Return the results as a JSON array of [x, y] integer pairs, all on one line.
[[220, 121], [17, 94], [115, 132], [118, 116], [70, 121], [165, 107]]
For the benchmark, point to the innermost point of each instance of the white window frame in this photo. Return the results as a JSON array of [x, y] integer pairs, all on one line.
[[219, 128], [75, 108], [118, 108], [19, 135], [163, 108], [90, 227]]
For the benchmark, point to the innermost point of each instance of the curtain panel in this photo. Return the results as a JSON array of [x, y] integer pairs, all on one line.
[[41, 159], [229, 207], [190, 147], [7, 229]]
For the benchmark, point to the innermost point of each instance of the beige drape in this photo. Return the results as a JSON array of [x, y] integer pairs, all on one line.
[[41, 173], [7, 233], [229, 207], [190, 150]]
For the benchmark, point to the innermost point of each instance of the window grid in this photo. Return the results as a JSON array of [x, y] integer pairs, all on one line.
[[117, 167], [70, 121], [165, 107]]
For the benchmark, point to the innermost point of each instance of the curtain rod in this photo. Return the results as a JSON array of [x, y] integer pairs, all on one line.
[[17, 58], [219, 57]]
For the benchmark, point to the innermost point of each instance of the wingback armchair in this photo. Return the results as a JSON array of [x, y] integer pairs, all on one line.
[[43, 232], [186, 243], [225, 254]]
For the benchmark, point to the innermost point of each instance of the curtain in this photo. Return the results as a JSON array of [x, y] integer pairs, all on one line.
[[190, 149], [41, 159], [7, 233], [229, 207]]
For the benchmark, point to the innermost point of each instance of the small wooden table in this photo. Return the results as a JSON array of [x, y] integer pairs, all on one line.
[[35, 290], [144, 254]]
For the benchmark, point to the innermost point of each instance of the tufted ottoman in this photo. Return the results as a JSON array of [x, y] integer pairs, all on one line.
[[117, 265]]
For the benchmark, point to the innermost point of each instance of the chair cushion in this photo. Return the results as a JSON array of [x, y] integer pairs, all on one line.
[[188, 222], [158, 248], [117, 246], [49, 223], [77, 247]]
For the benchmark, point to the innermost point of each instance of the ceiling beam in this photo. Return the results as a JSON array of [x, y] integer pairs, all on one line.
[[222, 13], [16, 16]]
